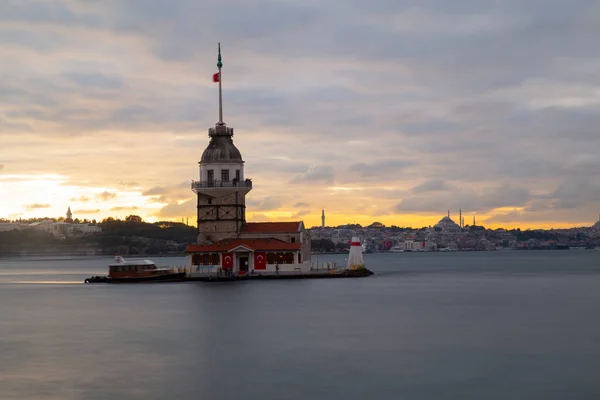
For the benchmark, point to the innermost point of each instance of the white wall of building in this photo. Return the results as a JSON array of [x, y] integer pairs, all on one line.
[[218, 167]]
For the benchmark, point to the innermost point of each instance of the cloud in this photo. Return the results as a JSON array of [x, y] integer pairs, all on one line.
[[469, 200], [484, 94], [156, 190], [430, 186], [300, 205], [105, 196], [175, 210], [258, 218], [1, 167], [124, 208], [81, 199], [263, 204], [36, 206], [91, 211], [318, 173], [301, 214]]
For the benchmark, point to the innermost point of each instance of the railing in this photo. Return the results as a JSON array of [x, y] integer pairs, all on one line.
[[216, 184]]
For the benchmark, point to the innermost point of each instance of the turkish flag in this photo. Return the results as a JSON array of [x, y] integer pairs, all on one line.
[[216, 77], [260, 260], [227, 260]]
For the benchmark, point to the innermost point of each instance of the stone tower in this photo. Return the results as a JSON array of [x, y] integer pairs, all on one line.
[[69, 215], [222, 188]]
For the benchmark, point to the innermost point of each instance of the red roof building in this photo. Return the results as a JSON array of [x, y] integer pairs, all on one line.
[[260, 246]]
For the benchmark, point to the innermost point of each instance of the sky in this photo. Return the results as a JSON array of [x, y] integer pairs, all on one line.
[[385, 110]]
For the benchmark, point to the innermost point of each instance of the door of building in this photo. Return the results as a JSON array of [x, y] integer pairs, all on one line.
[[243, 264]]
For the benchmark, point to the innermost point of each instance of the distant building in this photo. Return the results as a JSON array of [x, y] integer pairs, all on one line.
[[596, 226], [447, 226]]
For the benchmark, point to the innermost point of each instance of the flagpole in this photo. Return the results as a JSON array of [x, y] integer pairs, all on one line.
[[219, 65]]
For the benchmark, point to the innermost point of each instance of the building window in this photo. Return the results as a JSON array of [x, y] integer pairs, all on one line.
[[210, 201], [205, 259], [293, 240], [237, 174], [299, 258], [280, 258], [225, 175], [210, 175]]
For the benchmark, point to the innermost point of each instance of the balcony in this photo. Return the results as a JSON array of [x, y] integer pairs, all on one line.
[[197, 185]]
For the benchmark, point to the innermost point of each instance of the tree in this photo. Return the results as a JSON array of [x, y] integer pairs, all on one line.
[[134, 219]]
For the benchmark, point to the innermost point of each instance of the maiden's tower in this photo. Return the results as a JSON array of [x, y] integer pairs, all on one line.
[[225, 241]]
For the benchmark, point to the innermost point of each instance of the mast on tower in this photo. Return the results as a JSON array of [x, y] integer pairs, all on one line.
[[220, 65]]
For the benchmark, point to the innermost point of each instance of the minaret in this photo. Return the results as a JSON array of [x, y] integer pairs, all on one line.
[[69, 215], [222, 187], [448, 213], [473, 220], [460, 219], [322, 218]]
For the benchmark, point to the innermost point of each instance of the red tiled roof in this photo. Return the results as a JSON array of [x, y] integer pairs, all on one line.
[[271, 227], [253, 244]]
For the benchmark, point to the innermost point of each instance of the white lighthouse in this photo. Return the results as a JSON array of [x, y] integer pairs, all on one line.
[[222, 188], [355, 257]]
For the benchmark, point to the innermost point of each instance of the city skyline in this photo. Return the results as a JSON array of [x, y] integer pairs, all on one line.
[[389, 112]]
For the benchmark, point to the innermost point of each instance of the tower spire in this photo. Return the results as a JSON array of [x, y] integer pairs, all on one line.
[[220, 65]]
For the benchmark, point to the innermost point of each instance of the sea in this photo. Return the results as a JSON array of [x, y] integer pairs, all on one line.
[[458, 325]]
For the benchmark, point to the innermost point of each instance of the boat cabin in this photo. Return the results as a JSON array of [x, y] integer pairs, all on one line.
[[134, 268]]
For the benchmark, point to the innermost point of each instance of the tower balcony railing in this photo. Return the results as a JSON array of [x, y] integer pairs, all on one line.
[[247, 183]]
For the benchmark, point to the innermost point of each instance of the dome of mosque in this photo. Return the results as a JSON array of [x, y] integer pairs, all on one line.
[[446, 225]]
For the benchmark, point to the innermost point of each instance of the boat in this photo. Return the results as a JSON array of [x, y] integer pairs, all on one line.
[[137, 271], [397, 249]]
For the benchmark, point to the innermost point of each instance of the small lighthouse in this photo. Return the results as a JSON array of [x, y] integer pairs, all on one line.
[[355, 257]]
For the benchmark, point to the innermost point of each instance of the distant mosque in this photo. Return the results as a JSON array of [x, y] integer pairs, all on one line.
[[447, 226], [225, 241]]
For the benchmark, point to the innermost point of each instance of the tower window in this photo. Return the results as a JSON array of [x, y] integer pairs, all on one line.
[[237, 174], [293, 240], [225, 175], [210, 175]]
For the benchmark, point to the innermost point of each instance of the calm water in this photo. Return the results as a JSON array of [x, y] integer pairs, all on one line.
[[502, 325]]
